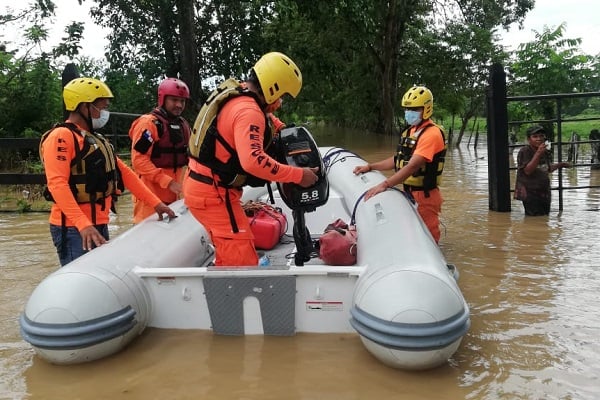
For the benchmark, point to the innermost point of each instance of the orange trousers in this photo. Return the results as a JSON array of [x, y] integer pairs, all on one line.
[[429, 209], [207, 205]]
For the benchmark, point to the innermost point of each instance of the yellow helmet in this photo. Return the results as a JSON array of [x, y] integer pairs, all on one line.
[[419, 96], [277, 75], [84, 90]]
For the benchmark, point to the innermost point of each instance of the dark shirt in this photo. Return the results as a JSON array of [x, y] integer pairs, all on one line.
[[538, 182]]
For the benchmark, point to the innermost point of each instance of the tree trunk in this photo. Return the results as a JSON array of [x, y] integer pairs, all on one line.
[[397, 14], [387, 74], [190, 70]]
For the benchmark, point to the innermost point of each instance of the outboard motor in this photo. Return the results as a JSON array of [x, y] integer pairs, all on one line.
[[296, 147]]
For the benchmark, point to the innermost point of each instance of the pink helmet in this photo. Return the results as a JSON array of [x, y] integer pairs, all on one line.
[[172, 87]]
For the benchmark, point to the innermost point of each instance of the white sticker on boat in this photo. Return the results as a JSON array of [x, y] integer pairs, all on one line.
[[324, 306]]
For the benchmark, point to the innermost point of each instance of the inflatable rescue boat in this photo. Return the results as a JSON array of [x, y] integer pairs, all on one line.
[[405, 304]]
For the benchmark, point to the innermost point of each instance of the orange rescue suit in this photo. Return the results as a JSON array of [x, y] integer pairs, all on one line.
[[242, 124]]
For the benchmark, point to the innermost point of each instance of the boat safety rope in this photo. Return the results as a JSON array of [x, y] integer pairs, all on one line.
[[333, 156], [329, 160], [353, 217], [408, 195]]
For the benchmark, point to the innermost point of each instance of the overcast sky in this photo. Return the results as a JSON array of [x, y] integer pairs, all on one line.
[[582, 18], [94, 36]]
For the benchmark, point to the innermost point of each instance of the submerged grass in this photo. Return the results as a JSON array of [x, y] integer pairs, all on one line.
[[23, 198]]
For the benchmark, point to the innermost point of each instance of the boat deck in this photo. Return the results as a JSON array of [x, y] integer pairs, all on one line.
[[283, 255]]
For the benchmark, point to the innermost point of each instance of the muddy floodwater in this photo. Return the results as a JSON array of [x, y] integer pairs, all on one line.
[[532, 284]]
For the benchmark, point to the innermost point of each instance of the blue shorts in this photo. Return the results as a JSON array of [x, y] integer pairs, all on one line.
[[72, 247]]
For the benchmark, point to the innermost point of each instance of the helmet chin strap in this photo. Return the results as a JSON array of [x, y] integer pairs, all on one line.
[[89, 119], [263, 103], [86, 118], [276, 105], [255, 87]]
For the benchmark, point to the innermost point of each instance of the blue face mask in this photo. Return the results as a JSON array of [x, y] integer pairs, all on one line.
[[412, 117]]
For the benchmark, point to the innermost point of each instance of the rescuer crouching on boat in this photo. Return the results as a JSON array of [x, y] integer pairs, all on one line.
[[229, 150]]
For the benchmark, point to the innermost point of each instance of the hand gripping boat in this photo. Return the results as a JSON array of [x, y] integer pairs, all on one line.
[[400, 297]]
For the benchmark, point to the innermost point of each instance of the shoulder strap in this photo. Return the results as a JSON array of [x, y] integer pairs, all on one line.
[[158, 121], [205, 124], [76, 132], [426, 127], [219, 96]]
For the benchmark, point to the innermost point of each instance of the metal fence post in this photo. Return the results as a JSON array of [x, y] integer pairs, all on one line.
[[497, 140]]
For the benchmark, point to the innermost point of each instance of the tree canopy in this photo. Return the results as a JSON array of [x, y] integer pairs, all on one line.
[[357, 57], [552, 64]]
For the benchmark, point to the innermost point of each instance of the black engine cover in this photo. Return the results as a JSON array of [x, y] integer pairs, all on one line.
[[296, 147]]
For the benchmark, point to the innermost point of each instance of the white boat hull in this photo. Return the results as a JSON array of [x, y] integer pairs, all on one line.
[[400, 297]]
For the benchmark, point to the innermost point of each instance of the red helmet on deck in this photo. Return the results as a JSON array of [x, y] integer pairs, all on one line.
[[172, 87]]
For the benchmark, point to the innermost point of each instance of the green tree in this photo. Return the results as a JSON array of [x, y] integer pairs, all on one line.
[[192, 39], [381, 48], [29, 89], [357, 56], [550, 64], [462, 55], [337, 71], [30, 81]]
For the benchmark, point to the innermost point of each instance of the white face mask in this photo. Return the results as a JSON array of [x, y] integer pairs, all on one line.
[[98, 123], [412, 117]]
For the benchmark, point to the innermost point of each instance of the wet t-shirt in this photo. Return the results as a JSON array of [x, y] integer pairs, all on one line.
[[538, 182]]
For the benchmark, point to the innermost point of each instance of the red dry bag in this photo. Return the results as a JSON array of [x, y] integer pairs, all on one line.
[[337, 245]]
